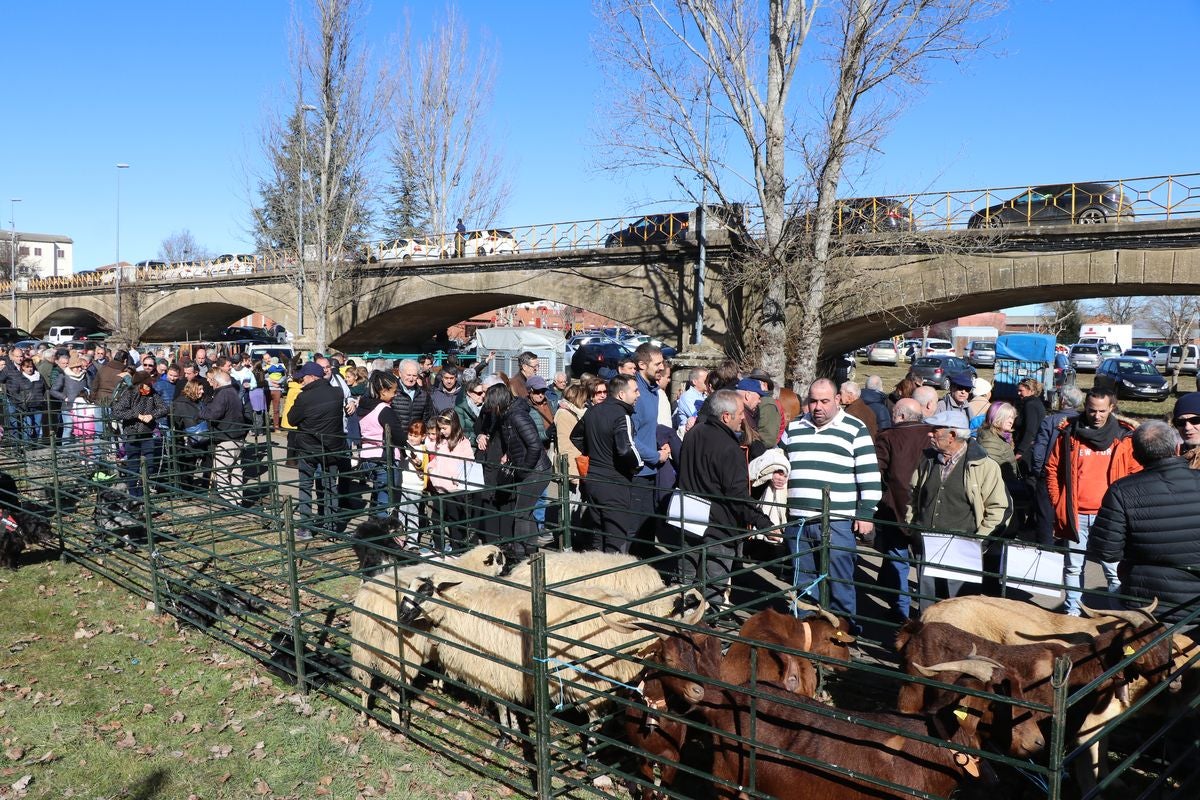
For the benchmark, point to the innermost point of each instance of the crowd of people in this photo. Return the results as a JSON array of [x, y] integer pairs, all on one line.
[[454, 457]]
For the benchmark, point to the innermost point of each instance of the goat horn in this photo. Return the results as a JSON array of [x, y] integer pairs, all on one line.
[[976, 668], [696, 614], [1136, 616], [634, 626], [829, 616], [986, 660]]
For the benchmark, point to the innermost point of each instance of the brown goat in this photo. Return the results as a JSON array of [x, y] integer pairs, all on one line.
[[791, 725], [825, 635], [654, 727], [1030, 668]]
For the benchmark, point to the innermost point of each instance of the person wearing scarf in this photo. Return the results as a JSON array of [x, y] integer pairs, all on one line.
[[30, 399], [1093, 451]]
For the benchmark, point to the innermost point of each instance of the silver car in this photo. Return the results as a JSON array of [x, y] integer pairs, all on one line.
[[1085, 356], [884, 352]]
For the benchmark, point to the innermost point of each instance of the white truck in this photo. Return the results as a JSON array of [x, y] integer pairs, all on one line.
[[1099, 333]]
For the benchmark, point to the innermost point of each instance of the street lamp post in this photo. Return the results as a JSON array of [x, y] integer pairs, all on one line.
[[300, 183], [12, 254], [117, 281]]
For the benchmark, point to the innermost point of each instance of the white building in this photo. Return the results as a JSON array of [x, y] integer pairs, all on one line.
[[43, 254]]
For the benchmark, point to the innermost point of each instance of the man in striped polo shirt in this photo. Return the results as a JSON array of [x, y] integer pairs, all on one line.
[[828, 447]]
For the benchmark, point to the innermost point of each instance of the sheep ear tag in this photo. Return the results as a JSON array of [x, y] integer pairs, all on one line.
[[1128, 650]]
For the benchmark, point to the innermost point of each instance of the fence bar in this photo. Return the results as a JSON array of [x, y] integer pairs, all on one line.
[[289, 533], [1058, 726], [564, 500], [152, 548], [541, 677], [826, 541]]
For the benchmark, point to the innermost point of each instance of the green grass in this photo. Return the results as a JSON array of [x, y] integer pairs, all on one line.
[[102, 698]]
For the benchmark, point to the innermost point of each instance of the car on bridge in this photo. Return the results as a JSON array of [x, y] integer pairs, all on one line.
[[1058, 204], [233, 264], [489, 243], [651, 229], [407, 250], [1131, 378]]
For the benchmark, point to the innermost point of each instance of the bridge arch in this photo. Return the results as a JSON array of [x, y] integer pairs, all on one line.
[[87, 312], [169, 316]]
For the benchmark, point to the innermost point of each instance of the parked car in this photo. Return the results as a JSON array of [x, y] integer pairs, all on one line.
[[247, 333], [1171, 363], [981, 354], [1064, 373], [489, 243], [651, 229], [883, 352], [1109, 349], [930, 347], [10, 335], [1140, 354], [33, 345], [1058, 204], [408, 249], [935, 370], [599, 358], [872, 215], [1085, 356], [233, 264], [637, 340], [1131, 378]]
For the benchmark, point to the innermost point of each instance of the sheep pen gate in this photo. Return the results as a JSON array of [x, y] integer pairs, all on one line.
[[239, 572]]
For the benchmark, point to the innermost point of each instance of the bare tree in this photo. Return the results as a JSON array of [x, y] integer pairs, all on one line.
[[1061, 320], [182, 246], [1121, 310], [444, 164], [1174, 318], [710, 82], [10, 255], [316, 190]]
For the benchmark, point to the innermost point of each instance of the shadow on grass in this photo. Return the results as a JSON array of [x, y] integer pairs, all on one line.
[[149, 786]]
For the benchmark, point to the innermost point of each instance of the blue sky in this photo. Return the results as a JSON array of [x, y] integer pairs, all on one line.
[[1072, 90]]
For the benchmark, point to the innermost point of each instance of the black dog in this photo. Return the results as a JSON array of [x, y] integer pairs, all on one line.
[[370, 541], [23, 523], [320, 665]]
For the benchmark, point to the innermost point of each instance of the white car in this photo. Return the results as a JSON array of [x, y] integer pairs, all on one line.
[[1139, 354], [233, 264], [408, 249], [883, 352], [1189, 361], [932, 347], [489, 243]]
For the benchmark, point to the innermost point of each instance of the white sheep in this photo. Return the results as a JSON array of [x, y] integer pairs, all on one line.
[[487, 639], [629, 576], [381, 650]]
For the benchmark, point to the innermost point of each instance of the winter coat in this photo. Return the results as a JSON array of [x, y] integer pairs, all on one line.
[[605, 435], [521, 441], [130, 405], [1029, 418], [373, 418], [1148, 522], [1062, 470], [984, 487], [877, 402], [565, 419], [711, 462], [29, 396], [468, 417], [899, 449], [226, 420], [864, 414], [185, 413], [317, 416], [440, 400], [999, 450], [65, 389], [409, 410]]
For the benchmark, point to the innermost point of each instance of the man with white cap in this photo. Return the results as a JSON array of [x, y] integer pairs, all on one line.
[[958, 488]]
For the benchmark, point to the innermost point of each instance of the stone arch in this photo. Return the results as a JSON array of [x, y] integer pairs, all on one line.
[[80, 310], [199, 313]]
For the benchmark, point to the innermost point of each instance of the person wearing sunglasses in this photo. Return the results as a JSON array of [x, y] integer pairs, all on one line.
[[1186, 419]]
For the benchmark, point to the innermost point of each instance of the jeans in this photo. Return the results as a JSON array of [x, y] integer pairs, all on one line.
[[138, 450], [379, 476], [842, 593], [317, 492], [1073, 567], [894, 571]]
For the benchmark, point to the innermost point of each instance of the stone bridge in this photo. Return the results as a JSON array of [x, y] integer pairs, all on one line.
[[398, 306]]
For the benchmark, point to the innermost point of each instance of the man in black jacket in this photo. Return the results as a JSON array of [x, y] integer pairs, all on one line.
[[412, 401], [227, 430], [319, 442], [605, 435], [713, 466], [1147, 522]]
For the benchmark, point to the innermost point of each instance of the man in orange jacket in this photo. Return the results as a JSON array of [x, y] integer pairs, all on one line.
[[1093, 451]]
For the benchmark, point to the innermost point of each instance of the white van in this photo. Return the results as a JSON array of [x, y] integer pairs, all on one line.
[[60, 334]]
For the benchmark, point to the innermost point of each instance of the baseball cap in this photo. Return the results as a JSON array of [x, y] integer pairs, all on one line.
[[751, 385], [948, 419], [980, 387], [311, 368], [964, 379], [536, 383]]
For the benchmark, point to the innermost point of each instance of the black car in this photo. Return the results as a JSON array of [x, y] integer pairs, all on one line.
[[1132, 378], [247, 333], [936, 370], [12, 335], [1064, 373], [651, 229], [872, 215], [598, 358], [1058, 204]]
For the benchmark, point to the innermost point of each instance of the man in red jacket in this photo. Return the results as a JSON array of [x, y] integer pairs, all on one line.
[[1093, 451]]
